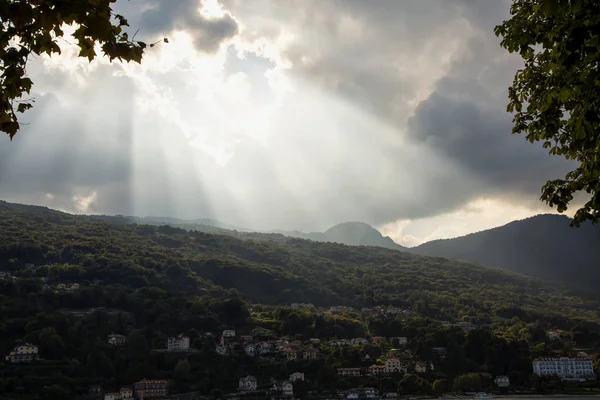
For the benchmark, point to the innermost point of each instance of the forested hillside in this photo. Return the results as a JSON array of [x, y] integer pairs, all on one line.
[[544, 246], [275, 269], [67, 282]]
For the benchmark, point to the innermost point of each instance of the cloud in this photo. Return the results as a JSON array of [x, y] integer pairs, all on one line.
[[283, 114], [157, 18]]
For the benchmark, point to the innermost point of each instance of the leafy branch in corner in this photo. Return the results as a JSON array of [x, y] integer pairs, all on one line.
[[33, 27]]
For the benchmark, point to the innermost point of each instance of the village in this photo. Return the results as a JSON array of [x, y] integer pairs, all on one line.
[[395, 362]]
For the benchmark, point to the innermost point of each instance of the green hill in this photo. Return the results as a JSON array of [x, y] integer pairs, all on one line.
[[544, 246], [273, 269]]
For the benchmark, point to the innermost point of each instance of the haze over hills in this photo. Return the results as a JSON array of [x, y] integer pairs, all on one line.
[[349, 233]]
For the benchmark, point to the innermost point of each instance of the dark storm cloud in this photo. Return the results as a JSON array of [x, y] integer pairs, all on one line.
[[160, 17]]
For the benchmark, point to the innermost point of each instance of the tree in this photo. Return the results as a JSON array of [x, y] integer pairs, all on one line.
[[555, 97], [440, 386], [467, 383], [181, 371], [33, 27]]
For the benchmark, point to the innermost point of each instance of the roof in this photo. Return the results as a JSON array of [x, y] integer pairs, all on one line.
[[154, 381]]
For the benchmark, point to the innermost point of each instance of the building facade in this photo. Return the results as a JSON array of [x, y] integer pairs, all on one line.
[[348, 371], [179, 343], [567, 369], [151, 389], [117, 340], [502, 381], [248, 383], [23, 353]]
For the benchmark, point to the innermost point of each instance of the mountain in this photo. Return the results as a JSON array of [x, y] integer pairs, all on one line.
[[543, 246], [351, 234], [274, 269]]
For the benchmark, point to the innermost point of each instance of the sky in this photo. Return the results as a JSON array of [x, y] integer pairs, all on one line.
[[287, 114]]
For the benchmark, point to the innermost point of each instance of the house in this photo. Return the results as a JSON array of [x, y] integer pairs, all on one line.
[[367, 393], [117, 340], [264, 347], [95, 392], [420, 367], [310, 353], [358, 341], [178, 343], [61, 286], [377, 339], [376, 370], [348, 371], [221, 350], [229, 333], [72, 288], [23, 353], [284, 388], [126, 393], [315, 340], [393, 366], [401, 340], [250, 350], [112, 396], [260, 331], [248, 384], [502, 381], [297, 376], [390, 395], [151, 389], [291, 354], [29, 266]]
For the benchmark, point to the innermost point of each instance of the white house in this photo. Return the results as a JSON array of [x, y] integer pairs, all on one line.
[[421, 367], [368, 393], [179, 343], [297, 376], [117, 340], [126, 393], [23, 353], [228, 333], [359, 341], [112, 396], [567, 369], [285, 388], [502, 381], [401, 340], [348, 371], [250, 350], [376, 370], [248, 383]]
